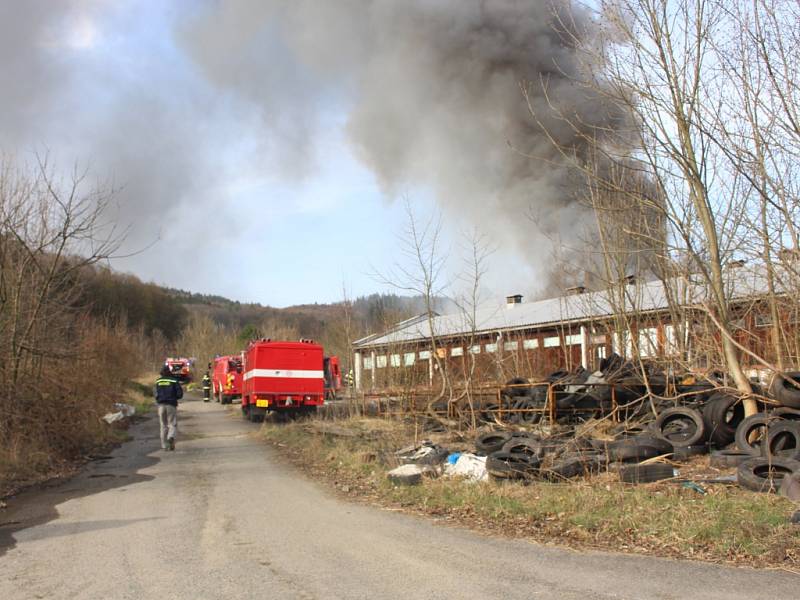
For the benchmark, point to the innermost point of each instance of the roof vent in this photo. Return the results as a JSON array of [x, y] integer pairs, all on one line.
[[575, 289], [512, 300]]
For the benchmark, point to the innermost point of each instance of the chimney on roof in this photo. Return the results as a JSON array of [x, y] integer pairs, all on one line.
[[512, 300], [575, 289]]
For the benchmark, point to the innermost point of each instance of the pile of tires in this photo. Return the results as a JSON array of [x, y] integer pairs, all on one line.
[[521, 404], [767, 450], [510, 455]]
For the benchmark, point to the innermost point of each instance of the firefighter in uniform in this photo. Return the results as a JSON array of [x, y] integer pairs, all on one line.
[[206, 387], [167, 392]]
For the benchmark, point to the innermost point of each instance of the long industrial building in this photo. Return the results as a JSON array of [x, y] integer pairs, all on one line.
[[651, 320]]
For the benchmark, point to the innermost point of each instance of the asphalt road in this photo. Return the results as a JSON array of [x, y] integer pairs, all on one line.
[[222, 517]]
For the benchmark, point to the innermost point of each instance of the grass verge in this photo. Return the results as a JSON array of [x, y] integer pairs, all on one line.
[[726, 524], [25, 463]]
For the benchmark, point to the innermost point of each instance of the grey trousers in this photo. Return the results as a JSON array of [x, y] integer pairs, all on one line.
[[168, 417]]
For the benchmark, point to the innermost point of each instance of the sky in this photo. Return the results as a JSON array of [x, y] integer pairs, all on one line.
[[265, 150]]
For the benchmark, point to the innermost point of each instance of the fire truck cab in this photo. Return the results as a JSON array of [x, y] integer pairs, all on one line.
[[181, 368], [226, 381], [282, 376]]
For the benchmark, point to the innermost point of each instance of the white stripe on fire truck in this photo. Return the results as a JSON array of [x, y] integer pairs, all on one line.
[[288, 373]]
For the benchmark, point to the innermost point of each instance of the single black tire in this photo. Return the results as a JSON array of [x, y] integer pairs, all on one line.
[[784, 412], [761, 474], [574, 465], [494, 441], [637, 448], [527, 403], [522, 387], [758, 423], [405, 478], [784, 391], [722, 414], [511, 466], [790, 487], [682, 453], [646, 473], [681, 426], [723, 459], [524, 435], [783, 440], [526, 446], [489, 413]]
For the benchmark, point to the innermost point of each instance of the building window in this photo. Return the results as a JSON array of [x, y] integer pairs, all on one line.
[[476, 349], [739, 324], [670, 340], [530, 344], [763, 321], [491, 347], [409, 358], [600, 352], [510, 346], [380, 361], [424, 354], [456, 352], [394, 360], [572, 340], [368, 362], [552, 342], [648, 342]]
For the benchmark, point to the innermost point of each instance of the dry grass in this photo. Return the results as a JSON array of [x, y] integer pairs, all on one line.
[[727, 524], [31, 455]]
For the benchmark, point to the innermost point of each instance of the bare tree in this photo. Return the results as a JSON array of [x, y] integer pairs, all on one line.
[[653, 60]]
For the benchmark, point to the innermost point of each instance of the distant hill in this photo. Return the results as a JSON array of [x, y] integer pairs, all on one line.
[[366, 313]]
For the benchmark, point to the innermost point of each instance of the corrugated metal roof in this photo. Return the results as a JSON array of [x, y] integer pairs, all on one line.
[[641, 297]]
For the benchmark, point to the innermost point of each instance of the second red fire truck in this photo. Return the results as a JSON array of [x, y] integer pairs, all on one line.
[[226, 381]]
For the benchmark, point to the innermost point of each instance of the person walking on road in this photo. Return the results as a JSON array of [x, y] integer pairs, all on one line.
[[167, 393], [206, 387]]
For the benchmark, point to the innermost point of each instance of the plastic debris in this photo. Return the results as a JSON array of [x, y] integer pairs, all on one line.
[[122, 411], [453, 458], [691, 485], [469, 466], [426, 453]]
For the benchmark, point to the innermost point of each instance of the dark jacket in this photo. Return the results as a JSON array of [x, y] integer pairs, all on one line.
[[206, 382], [167, 391]]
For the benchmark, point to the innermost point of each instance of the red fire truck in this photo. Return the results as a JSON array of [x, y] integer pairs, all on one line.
[[181, 368], [226, 381], [282, 376]]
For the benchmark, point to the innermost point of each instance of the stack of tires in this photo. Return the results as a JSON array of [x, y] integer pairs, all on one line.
[[510, 455], [767, 449]]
